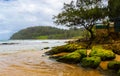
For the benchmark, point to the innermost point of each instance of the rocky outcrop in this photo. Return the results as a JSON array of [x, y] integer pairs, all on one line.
[[102, 53], [92, 62]]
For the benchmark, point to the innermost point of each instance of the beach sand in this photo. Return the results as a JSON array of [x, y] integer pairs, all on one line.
[[35, 63]]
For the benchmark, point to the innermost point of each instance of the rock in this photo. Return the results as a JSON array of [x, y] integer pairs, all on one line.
[[45, 42], [46, 47], [116, 48], [64, 48], [83, 52], [92, 62], [8, 43], [56, 56], [102, 53], [118, 73], [114, 65], [73, 57]]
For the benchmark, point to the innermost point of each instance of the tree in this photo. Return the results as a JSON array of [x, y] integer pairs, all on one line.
[[84, 14], [114, 8]]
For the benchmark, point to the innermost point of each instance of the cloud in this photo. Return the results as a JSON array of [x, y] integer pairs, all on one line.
[[18, 14]]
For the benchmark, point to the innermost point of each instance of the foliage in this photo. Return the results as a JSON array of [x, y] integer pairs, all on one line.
[[42, 37], [92, 62], [46, 32], [114, 8], [83, 14]]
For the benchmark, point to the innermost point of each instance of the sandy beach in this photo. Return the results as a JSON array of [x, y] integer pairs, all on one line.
[[35, 63]]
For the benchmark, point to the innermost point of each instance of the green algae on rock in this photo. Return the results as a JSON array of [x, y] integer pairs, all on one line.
[[102, 53], [118, 73], [73, 57], [46, 47], [114, 65], [92, 62], [83, 52], [64, 48]]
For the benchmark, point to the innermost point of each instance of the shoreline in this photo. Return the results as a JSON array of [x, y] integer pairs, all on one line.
[[36, 63]]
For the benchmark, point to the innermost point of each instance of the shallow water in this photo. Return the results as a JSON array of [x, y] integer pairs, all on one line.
[[35, 63], [31, 61], [26, 45]]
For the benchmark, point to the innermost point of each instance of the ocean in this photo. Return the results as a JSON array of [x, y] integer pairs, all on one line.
[[11, 46], [27, 58]]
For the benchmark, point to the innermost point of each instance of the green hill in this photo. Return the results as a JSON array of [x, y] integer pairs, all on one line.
[[46, 32]]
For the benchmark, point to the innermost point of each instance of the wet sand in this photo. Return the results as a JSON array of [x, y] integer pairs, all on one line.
[[35, 63]]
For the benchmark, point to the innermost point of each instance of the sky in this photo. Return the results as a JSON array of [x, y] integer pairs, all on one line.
[[19, 14]]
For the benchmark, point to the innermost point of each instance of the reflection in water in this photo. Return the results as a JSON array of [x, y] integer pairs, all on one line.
[[33, 63]]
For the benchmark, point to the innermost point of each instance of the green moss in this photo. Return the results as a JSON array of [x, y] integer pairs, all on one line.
[[98, 47], [46, 47], [83, 52], [116, 48], [104, 54], [64, 48], [71, 47], [92, 62], [73, 57], [114, 65], [118, 73]]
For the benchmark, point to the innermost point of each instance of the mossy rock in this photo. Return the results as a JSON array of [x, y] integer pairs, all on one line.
[[82, 52], [46, 47], [102, 53], [114, 65], [64, 48], [116, 48], [73, 57], [92, 62], [118, 73]]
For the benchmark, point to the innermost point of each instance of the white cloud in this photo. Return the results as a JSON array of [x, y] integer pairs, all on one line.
[[30, 18], [18, 14]]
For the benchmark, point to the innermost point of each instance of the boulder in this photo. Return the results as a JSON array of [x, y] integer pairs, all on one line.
[[114, 65], [92, 62], [73, 57], [64, 48], [102, 53], [118, 73], [46, 47], [82, 52]]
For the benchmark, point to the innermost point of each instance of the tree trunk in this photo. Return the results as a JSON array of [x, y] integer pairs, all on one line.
[[92, 37]]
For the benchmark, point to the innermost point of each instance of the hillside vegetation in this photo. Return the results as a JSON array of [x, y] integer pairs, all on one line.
[[46, 32]]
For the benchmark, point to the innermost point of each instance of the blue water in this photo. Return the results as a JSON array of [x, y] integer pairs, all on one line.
[[28, 45]]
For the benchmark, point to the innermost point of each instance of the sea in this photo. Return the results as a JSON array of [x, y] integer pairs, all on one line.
[[11, 46], [27, 58]]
